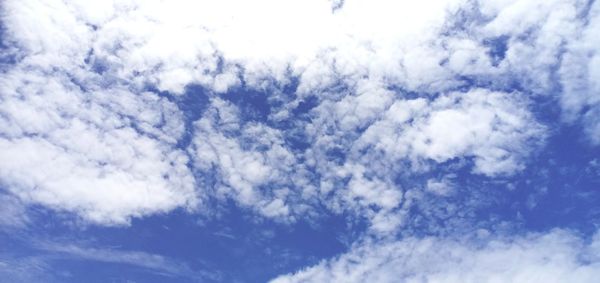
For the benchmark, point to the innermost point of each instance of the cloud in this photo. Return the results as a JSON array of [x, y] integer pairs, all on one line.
[[152, 262], [46, 264], [173, 44], [495, 128], [579, 73], [91, 120], [13, 213], [365, 142], [371, 110], [252, 164], [556, 256], [420, 47], [30, 269], [107, 154]]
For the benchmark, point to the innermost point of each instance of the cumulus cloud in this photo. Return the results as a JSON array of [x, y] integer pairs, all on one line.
[[494, 128], [105, 154], [367, 140], [556, 256], [399, 87], [421, 47], [251, 161]]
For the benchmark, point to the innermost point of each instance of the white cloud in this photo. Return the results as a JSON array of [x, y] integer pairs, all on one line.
[[172, 44], [495, 128], [579, 75], [86, 137], [556, 256], [107, 155], [365, 141], [441, 186], [251, 161]]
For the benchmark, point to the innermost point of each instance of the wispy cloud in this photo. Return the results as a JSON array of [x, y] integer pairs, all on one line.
[[151, 262], [556, 256]]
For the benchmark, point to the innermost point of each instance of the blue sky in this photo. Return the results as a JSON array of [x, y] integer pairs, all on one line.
[[299, 141]]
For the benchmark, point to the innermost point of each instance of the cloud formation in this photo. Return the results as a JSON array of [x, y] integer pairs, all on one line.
[[557, 256], [45, 265], [105, 154], [91, 113], [399, 116]]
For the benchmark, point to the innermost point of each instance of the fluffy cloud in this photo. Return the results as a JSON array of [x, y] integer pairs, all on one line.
[[248, 159], [366, 141], [420, 47], [399, 87], [494, 128], [557, 256], [105, 154]]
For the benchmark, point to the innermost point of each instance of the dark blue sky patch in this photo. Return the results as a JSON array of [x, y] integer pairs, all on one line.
[[306, 105], [253, 105], [192, 103], [497, 48], [562, 187], [233, 246]]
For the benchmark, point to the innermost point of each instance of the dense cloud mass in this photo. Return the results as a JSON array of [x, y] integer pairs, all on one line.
[[366, 109], [91, 66]]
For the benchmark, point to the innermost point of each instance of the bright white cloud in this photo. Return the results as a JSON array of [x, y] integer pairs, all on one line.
[[87, 137], [175, 43], [107, 155], [400, 88], [557, 256], [495, 128]]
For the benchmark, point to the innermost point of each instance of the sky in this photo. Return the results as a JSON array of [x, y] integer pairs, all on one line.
[[300, 141]]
